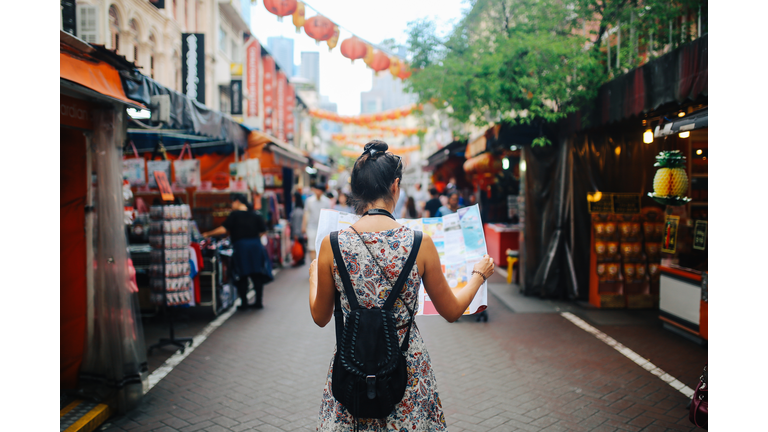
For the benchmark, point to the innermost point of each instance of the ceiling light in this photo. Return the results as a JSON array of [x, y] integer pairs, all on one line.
[[648, 136], [681, 114], [505, 163], [698, 152], [685, 134], [141, 114]]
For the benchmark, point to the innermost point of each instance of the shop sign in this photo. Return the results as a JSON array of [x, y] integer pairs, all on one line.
[[615, 203], [288, 106], [282, 83], [236, 96], [626, 203], [669, 243], [75, 112], [252, 58], [160, 4], [162, 183], [700, 235], [269, 93], [193, 66], [600, 202], [236, 69], [476, 147]]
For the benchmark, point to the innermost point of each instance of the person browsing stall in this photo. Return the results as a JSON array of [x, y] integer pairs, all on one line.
[[250, 259], [374, 250]]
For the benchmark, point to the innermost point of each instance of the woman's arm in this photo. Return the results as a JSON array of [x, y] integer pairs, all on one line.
[[217, 232], [450, 304], [322, 288]]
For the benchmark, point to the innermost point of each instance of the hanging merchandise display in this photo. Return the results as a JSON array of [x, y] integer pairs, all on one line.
[[298, 16], [353, 48], [187, 172], [169, 272], [157, 165], [281, 8], [319, 28], [134, 169], [671, 180]]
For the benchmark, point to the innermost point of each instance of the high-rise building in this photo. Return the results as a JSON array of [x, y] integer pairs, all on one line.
[[310, 67], [281, 49]]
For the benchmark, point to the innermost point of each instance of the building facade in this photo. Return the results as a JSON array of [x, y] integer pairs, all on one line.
[[282, 49]]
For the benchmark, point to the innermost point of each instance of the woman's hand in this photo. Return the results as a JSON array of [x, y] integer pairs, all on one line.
[[485, 266]]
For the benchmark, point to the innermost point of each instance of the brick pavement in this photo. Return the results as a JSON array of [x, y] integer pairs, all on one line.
[[265, 370]]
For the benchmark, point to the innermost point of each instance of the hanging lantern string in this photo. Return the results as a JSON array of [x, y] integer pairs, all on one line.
[[378, 47]]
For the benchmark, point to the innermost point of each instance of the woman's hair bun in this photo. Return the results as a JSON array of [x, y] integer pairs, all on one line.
[[377, 145]]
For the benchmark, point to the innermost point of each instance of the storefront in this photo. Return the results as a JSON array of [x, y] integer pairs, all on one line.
[[102, 349], [592, 231], [446, 166]]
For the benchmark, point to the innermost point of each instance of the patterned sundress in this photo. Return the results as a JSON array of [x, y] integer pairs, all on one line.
[[420, 410]]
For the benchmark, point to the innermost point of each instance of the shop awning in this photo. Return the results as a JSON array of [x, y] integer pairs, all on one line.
[[692, 121], [439, 157], [186, 114], [84, 70], [285, 154], [145, 140], [325, 169]]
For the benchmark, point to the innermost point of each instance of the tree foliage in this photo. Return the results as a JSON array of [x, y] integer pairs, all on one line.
[[521, 60]]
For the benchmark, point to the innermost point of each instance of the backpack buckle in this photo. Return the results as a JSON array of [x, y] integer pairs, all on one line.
[[370, 380]]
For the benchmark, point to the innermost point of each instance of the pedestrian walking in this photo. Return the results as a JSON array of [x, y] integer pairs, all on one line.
[[297, 218], [312, 207], [434, 204], [250, 259], [374, 243], [451, 207], [342, 203], [421, 197]]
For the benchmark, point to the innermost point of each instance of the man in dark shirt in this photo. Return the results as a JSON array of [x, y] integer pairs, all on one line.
[[431, 207]]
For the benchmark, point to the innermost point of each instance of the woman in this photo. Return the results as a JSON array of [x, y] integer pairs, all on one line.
[[410, 209], [451, 206], [375, 183], [250, 259], [342, 203]]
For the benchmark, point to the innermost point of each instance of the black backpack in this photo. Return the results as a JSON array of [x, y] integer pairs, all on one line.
[[369, 371]]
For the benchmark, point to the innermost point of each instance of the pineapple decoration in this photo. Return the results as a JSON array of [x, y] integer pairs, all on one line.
[[671, 180]]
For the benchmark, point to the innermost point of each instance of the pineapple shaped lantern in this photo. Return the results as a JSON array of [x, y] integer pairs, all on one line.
[[671, 180]]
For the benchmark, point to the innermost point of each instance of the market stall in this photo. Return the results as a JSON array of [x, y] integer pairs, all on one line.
[[102, 340]]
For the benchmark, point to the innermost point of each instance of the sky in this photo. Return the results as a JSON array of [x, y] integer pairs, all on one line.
[[372, 20]]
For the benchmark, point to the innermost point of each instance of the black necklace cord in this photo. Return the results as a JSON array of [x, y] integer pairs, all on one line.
[[379, 212]]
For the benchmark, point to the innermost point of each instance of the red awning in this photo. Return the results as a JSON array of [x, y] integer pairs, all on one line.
[[94, 74]]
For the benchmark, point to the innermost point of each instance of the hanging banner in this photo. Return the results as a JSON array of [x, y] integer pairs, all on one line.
[[252, 59], [193, 66], [236, 96], [700, 235], [269, 90], [282, 82], [669, 243], [289, 106]]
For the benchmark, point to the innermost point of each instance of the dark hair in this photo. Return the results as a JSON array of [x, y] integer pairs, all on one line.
[[319, 185], [298, 200], [410, 208], [373, 174], [242, 198], [434, 191]]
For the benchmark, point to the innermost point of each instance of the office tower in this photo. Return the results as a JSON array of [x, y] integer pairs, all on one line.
[[310, 67], [281, 49]]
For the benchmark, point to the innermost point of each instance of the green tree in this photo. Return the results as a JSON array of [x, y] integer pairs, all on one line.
[[523, 60]]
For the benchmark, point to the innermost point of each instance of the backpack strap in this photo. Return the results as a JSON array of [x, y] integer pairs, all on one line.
[[405, 273], [345, 280]]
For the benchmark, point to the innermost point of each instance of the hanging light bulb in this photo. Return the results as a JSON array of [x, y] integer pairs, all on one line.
[[698, 152], [681, 114], [685, 134], [648, 136], [505, 164]]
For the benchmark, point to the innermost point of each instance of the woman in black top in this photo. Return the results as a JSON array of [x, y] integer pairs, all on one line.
[[250, 259]]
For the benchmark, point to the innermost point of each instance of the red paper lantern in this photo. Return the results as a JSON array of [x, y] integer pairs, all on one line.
[[281, 8], [319, 28], [404, 72], [353, 48], [380, 61]]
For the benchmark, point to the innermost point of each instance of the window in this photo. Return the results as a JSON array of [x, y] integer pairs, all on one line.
[[87, 23], [224, 99], [135, 40], [235, 53], [114, 27], [151, 56], [136, 54], [223, 42]]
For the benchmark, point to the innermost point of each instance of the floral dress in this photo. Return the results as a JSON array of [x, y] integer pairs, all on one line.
[[420, 410]]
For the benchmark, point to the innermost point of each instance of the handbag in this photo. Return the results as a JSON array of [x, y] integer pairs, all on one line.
[[187, 171], [134, 170], [699, 409]]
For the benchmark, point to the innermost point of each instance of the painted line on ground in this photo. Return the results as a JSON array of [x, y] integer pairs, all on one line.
[[645, 364], [178, 356]]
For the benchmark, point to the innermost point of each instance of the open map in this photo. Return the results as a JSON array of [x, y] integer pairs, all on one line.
[[459, 240]]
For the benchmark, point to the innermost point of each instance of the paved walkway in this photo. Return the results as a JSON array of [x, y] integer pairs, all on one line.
[[528, 370]]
